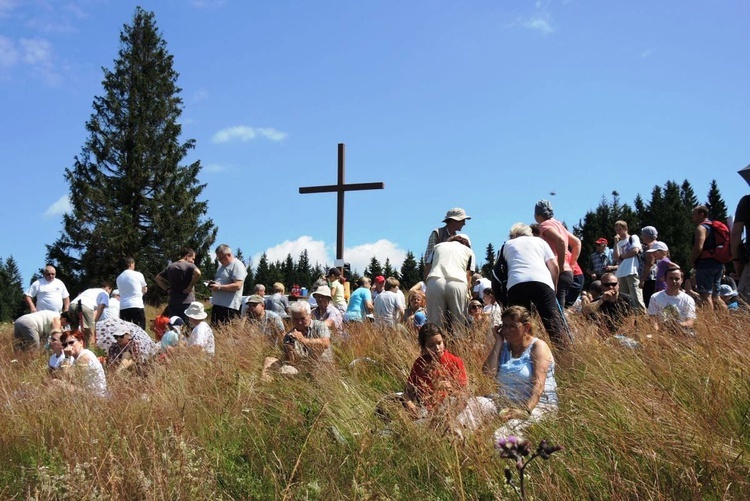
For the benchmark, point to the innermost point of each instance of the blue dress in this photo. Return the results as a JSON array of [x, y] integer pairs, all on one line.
[[515, 377]]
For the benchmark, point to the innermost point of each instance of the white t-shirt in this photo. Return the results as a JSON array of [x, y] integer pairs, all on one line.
[[484, 283], [387, 307], [92, 298], [666, 306], [527, 261], [130, 284], [451, 261], [202, 336], [49, 294], [113, 310], [630, 265]]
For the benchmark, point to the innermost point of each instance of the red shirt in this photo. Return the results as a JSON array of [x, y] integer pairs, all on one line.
[[428, 374]]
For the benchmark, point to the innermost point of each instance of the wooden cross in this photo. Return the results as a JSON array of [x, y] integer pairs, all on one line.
[[340, 188]]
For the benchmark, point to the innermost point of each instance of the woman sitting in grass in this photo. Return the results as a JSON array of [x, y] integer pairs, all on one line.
[[87, 371], [524, 368], [436, 375]]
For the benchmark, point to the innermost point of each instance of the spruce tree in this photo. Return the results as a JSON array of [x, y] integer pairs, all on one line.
[[304, 270], [374, 269], [129, 192], [263, 272], [409, 272], [717, 209], [489, 259], [12, 303], [388, 270]]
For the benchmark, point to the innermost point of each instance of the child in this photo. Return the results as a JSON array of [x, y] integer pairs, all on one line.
[[202, 335], [435, 375]]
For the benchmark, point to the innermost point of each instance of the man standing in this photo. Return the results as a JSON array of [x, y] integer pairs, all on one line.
[[708, 270], [648, 271], [740, 255], [600, 261], [672, 306], [50, 293], [132, 287], [179, 279], [454, 220], [627, 249], [227, 286]]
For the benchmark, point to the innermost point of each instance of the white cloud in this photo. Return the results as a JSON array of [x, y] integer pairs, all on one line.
[[62, 206], [6, 6], [36, 51], [215, 168], [8, 53], [207, 4], [646, 53], [539, 22], [244, 133], [198, 96], [318, 252]]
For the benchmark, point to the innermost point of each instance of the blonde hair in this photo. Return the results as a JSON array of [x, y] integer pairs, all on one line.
[[520, 230]]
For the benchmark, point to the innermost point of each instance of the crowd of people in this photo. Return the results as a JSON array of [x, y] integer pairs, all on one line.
[[632, 283]]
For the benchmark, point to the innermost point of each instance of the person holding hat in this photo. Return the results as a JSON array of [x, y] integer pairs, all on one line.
[[201, 336], [267, 322], [600, 261], [325, 311], [337, 288], [454, 220]]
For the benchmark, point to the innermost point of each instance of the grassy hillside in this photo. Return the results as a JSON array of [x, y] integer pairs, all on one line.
[[667, 421]]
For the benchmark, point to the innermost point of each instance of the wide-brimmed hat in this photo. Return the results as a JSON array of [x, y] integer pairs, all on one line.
[[658, 246], [324, 291], [195, 311], [457, 214], [727, 291], [745, 173]]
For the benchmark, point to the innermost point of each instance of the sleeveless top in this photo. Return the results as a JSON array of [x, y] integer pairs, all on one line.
[[515, 377]]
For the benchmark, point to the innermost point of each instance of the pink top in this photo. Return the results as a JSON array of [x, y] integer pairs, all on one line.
[[554, 224]]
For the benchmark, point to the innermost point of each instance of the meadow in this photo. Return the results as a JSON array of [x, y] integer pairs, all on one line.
[[668, 420]]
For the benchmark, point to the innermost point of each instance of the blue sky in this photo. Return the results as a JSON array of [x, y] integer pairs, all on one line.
[[484, 105]]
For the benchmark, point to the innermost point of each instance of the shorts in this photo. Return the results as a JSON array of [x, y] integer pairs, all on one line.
[[708, 276]]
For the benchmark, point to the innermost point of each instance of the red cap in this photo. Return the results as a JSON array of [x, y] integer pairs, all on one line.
[[602, 241], [379, 279]]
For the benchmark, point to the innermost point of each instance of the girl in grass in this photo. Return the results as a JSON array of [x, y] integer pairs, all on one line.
[[436, 375]]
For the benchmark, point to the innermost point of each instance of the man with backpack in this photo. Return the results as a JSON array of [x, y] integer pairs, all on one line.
[[711, 250]]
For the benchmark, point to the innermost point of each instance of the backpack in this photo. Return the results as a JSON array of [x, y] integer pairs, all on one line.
[[638, 257], [717, 244], [500, 278]]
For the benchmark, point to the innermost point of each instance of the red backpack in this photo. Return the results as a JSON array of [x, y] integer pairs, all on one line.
[[717, 245]]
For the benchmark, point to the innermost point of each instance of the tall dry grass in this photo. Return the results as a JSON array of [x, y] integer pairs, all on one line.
[[666, 421]]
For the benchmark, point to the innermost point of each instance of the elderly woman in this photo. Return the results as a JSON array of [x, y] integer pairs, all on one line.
[[448, 281], [532, 275], [524, 369], [88, 373], [565, 246]]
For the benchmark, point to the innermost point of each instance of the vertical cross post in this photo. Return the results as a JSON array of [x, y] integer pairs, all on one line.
[[341, 188]]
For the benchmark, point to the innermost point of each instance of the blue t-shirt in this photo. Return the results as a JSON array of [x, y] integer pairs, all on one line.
[[356, 311]]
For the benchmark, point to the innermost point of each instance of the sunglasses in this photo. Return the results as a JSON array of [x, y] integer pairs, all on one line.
[[70, 343], [609, 284], [474, 307]]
